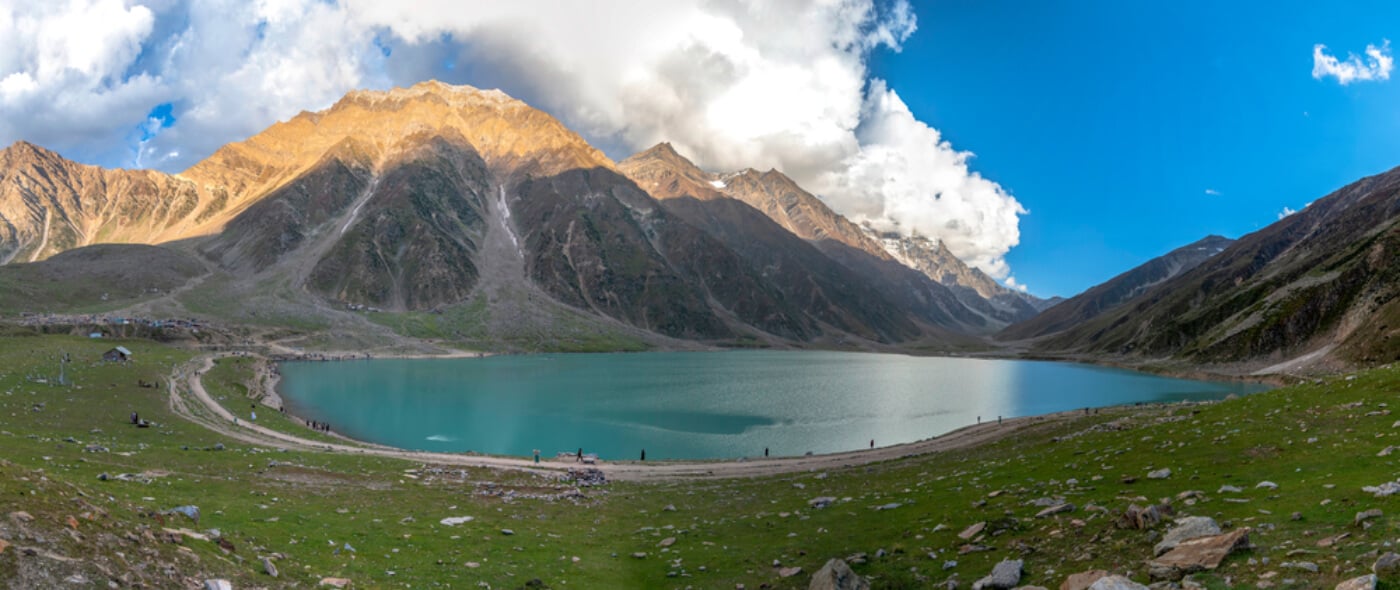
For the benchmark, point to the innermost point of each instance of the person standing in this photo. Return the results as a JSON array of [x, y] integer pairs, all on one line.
[[872, 443], [537, 456], [644, 454], [765, 451], [580, 456]]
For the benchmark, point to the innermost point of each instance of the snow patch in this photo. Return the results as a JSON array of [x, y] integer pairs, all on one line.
[[717, 183]]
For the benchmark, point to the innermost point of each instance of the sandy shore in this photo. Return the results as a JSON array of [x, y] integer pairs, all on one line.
[[187, 388]]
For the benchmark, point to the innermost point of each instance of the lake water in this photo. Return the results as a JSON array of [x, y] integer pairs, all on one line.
[[692, 405]]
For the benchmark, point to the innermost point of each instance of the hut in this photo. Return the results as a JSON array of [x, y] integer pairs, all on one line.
[[117, 355]]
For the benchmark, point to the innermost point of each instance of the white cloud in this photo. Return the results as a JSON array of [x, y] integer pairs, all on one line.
[[731, 83], [1212, 192], [1286, 212], [1376, 66], [1013, 284]]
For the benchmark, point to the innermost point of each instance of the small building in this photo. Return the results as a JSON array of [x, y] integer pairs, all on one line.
[[117, 355]]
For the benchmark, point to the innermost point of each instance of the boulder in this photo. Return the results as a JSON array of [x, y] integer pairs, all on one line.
[[788, 572], [1387, 566], [1005, 576], [1116, 583], [335, 582], [1367, 515], [1162, 473], [1082, 580], [836, 575], [1366, 582], [1191, 527], [972, 531], [1194, 555], [268, 567], [217, 584], [821, 502], [667, 542], [1053, 510]]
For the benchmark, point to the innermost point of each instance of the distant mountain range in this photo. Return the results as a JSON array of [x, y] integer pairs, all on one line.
[[1317, 288], [449, 213], [470, 206]]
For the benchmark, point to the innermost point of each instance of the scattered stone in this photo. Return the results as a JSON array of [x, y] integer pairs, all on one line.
[[972, 531], [1387, 566], [669, 508], [1083, 580], [1162, 473], [335, 582], [1268, 485], [1191, 527], [1332, 540], [1389, 488], [1204, 553], [667, 542], [456, 520], [1366, 582], [21, 517], [788, 572], [1137, 517], [639, 555], [1229, 489], [890, 506], [1116, 583], [1307, 566], [1296, 516], [1367, 515], [218, 585], [950, 564], [507, 532], [965, 549], [1053, 510], [836, 575], [77, 579], [268, 567], [1005, 575], [821, 502], [1387, 451]]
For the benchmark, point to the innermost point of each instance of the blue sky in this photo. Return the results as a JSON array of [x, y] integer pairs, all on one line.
[[1104, 133], [1109, 121]]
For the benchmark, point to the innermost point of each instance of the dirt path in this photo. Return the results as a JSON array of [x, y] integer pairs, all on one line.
[[188, 379]]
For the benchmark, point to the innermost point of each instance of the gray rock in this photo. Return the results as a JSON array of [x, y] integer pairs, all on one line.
[[1162, 473], [1366, 582], [268, 567], [1387, 566], [1228, 489], [667, 542], [218, 584], [1116, 583], [1306, 566], [1268, 485], [1053, 510], [1367, 515], [1004, 576], [507, 532], [1191, 527], [821, 502], [836, 575], [950, 564], [1083, 580]]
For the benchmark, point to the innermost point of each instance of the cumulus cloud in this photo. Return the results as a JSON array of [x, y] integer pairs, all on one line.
[[1012, 283], [731, 83], [1376, 66], [1212, 192], [1286, 212]]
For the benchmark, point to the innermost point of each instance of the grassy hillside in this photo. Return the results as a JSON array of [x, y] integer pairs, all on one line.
[[1317, 442]]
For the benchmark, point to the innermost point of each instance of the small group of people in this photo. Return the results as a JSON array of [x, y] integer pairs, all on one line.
[[318, 426]]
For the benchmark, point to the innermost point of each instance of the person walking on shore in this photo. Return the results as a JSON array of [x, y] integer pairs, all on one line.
[[580, 456], [644, 454]]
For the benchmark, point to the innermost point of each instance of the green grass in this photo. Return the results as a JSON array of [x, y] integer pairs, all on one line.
[[304, 505]]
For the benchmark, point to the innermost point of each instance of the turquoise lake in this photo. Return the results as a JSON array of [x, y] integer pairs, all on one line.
[[699, 405]]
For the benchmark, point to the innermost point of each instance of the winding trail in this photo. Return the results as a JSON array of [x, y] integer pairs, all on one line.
[[187, 388]]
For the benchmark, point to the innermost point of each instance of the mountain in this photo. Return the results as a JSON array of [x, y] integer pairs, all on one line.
[[1117, 290], [972, 286], [820, 256], [1322, 284], [486, 218]]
